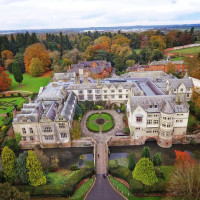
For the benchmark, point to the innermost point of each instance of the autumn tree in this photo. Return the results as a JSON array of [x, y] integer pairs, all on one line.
[[7, 57], [8, 164], [55, 58], [36, 51], [54, 163], [22, 171], [16, 70], [158, 42], [89, 52], [171, 69], [102, 39], [144, 171], [76, 130], [84, 42], [35, 173], [36, 67], [5, 81], [9, 192], [183, 158], [193, 66]]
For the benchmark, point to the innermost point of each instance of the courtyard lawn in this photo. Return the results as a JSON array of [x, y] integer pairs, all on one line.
[[7, 104], [60, 177], [177, 58], [93, 126], [191, 50], [107, 126], [93, 117], [82, 190], [106, 117], [30, 83]]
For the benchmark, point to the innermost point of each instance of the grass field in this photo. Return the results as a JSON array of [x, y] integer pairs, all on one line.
[[30, 83], [7, 104], [191, 50], [107, 126], [60, 177]]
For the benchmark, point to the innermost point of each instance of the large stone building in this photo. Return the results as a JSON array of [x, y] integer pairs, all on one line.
[[156, 107]]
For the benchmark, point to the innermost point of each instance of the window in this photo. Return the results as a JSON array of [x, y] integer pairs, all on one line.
[[164, 118], [155, 106], [112, 91], [23, 130], [120, 90], [138, 119], [149, 115], [150, 106], [137, 128], [148, 131], [120, 96], [105, 97], [155, 115], [155, 131], [188, 89], [89, 91], [188, 95], [149, 121], [163, 125], [24, 138], [48, 129], [105, 91], [81, 97], [112, 96], [63, 135], [48, 137], [168, 125], [169, 118], [155, 121], [181, 89], [31, 138], [90, 98], [126, 96], [61, 125], [80, 91], [97, 91], [30, 130], [98, 98]]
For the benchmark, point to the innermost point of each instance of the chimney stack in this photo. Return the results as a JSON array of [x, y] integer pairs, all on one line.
[[38, 113], [43, 104], [60, 103], [56, 109]]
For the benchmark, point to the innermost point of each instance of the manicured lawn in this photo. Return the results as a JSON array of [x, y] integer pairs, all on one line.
[[177, 58], [106, 117], [7, 104], [166, 171], [93, 117], [191, 50], [137, 50], [107, 126], [60, 177], [1, 120], [121, 188], [93, 126], [82, 190], [30, 83]]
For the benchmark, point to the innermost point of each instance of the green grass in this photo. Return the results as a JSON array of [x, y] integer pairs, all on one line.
[[93, 117], [30, 83], [190, 50], [166, 171], [137, 50], [106, 117], [7, 104], [107, 126], [93, 126], [177, 58], [1, 120], [121, 188], [60, 178], [82, 190]]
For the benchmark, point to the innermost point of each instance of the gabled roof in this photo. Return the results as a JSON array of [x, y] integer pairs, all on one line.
[[175, 83]]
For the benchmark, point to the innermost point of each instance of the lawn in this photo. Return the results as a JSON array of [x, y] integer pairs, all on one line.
[[93, 117], [137, 50], [30, 83], [93, 126], [82, 190], [177, 58], [1, 120], [60, 177], [106, 117], [166, 171], [107, 126], [7, 104], [191, 50]]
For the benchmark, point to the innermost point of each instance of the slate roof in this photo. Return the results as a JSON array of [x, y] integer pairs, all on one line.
[[63, 76], [165, 62], [51, 113], [177, 82], [137, 67], [166, 104]]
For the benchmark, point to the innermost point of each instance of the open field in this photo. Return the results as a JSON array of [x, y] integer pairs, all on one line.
[[30, 83], [191, 50]]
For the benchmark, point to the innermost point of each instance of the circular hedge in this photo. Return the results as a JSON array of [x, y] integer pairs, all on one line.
[[96, 120]]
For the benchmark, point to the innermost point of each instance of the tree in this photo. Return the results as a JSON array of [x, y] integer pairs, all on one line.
[[5, 81], [54, 163], [146, 153], [55, 58], [158, 42], [84, 42], [8, 192], [193, 66], [17, 72], [6, 54], [157, 161], [35, 174], [131, 162], [76, 130], [183, 158], [22, 171], [13, 142], [144, 171], [19, 58], [157, 54], [8, 164], [78, 112], [43, 159], [171, 69], [89, 52], [130, 63], [36, 67], [36, 51]]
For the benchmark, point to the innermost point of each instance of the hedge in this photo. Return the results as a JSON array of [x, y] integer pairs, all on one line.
[[62, 190]]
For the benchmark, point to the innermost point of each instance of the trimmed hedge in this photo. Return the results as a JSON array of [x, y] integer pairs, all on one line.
[[62, 190]]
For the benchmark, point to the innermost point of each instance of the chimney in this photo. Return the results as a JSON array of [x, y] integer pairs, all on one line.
[[43, 104], [64, 92], [60, 103], [85, 78], [77, 79], [38, 113], [56, 109], [98, 81], [14, 112], [29, 99]]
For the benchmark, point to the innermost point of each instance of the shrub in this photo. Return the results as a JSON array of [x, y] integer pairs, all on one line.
[[131, 162], [54, 161], [13, 143], [74, 167], [127, 130], [146, 153], [89, 164], [113, 164], [157, 159], [75, 130], [135, 186]]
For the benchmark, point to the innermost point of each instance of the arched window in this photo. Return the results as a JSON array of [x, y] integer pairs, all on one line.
[[63, 135]]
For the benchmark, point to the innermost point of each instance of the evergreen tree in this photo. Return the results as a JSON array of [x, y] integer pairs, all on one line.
[[22, 171], [144, 171], [157, 161], [78, 112], [13, 44], [131, 162], [17, 72], [68, 44], [19, 58], [145, 153], [8, 164], [35, 173], [61, 43], [34, 38]]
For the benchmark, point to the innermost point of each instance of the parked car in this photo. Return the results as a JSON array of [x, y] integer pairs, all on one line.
[[120, 134]]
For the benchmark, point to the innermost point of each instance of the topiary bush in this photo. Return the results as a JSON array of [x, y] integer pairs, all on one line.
[[113, 164]]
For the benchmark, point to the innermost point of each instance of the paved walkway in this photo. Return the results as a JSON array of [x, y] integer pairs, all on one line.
[[102, 190]]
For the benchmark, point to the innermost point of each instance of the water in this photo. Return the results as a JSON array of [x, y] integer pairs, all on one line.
[[168, 155]]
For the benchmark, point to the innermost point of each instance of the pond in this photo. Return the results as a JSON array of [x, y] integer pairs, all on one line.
[[168, 155]]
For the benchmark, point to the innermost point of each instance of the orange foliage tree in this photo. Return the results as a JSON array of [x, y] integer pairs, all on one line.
[[103, 46], [37, 50], [6, 55], [5, 81], [183, 158]]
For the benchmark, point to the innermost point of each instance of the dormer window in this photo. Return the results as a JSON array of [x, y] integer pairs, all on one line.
[[138, 119], [155, 106], [150, 106]]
